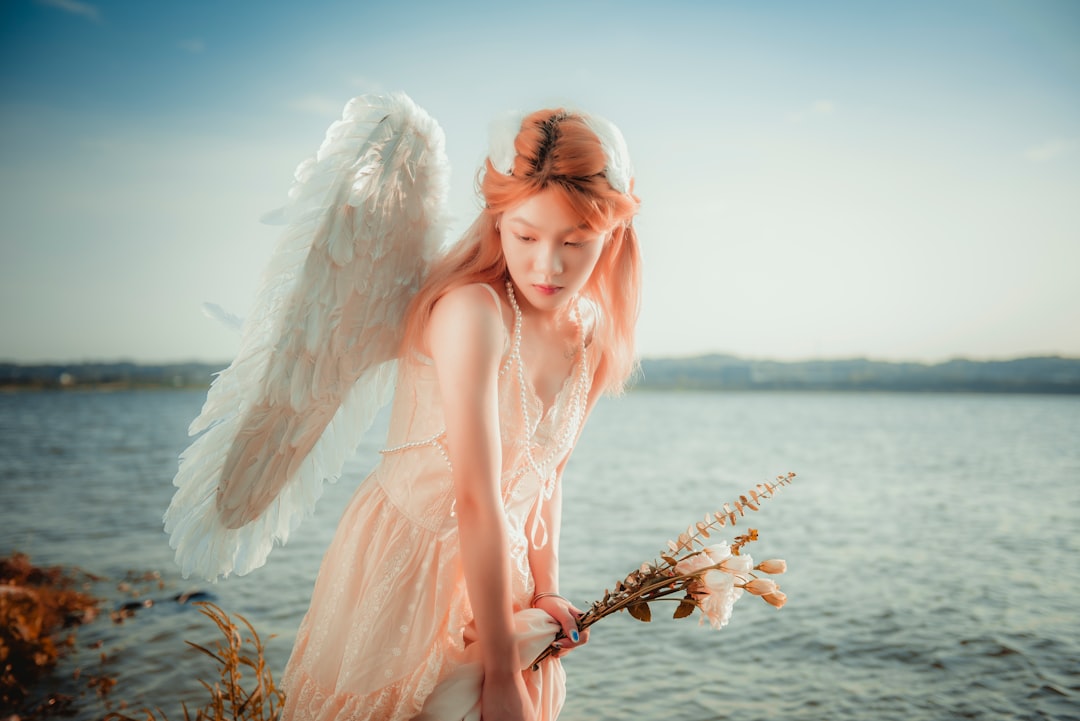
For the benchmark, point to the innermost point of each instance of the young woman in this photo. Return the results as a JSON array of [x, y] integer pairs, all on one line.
[[441, 583]]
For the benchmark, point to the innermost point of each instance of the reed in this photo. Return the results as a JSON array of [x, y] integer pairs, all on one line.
[[244, 689]]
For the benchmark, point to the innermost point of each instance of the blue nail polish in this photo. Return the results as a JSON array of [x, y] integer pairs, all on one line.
[[574, 636]]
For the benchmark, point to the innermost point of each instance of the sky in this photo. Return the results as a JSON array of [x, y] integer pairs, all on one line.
[[899, 181]]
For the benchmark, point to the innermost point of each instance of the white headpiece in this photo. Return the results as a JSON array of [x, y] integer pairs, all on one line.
[[504, 130]]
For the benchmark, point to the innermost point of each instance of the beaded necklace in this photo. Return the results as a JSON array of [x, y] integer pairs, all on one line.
[[576, 407], [571, 423]]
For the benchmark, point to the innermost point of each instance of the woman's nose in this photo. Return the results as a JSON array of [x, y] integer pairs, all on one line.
[[549, 259]]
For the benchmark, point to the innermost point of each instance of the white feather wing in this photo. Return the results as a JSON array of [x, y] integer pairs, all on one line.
[[317, 358]]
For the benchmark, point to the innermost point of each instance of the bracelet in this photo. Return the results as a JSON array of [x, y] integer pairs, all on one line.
[[545, 594]]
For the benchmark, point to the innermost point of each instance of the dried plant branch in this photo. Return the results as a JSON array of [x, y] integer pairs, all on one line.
[[709, 577], [229, 700]]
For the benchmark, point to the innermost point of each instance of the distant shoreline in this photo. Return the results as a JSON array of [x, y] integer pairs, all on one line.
[[1040, 375]]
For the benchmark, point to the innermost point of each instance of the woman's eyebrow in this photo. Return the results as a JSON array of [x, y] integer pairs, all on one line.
[[519, 219]]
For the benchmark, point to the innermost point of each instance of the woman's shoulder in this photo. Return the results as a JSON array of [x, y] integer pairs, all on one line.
[[476, 301], [473, 310]]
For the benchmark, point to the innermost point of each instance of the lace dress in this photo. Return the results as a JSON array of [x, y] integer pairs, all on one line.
[[389, 619]]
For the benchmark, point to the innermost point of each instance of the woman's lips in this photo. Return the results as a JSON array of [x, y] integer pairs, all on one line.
[[547, 289]]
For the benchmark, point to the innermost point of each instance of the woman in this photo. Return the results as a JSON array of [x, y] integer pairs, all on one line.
[[441, 583], [509, 343]]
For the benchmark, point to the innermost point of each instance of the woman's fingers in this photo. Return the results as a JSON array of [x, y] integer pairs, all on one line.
[[566, 615], [568, 619], [570, 629]]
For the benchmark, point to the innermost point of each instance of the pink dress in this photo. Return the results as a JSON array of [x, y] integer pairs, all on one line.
[[390, 618]]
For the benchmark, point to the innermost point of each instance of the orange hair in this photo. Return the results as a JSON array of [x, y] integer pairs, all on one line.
[[554, 149]]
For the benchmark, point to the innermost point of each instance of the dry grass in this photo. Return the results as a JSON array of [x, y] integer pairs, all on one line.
[[241, 662], [38, 604]]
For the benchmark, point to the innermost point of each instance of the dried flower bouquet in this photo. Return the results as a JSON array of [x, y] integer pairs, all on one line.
[[707, 577]]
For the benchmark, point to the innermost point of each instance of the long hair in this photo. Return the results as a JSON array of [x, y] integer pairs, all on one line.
[[554, 149]]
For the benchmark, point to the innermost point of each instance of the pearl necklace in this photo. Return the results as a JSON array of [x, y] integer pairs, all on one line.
[[575, 412], [574, 416]]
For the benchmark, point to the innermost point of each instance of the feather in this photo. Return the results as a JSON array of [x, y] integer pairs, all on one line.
[[227, 319], [364, 219]]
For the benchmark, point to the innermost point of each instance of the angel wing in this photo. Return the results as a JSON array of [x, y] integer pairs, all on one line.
[[317, 356]]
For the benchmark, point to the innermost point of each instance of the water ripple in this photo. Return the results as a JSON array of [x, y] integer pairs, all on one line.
[[931, 541]]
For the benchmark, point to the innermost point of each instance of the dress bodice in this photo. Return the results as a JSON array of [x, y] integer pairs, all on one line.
[[416, 471]]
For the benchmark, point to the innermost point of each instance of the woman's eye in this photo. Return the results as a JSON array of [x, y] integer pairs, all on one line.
[[524, 239], [577, 243]]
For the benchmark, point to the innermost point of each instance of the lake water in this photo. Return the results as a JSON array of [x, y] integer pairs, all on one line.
[[932, 542]]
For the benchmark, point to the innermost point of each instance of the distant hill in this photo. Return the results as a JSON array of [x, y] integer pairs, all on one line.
[[107, 375], [1050, 374]]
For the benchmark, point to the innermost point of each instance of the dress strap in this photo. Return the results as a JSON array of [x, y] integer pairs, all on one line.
[[489, 289], [499, 307]]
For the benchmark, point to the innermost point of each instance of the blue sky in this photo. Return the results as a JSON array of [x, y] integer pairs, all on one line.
[[819, 179]]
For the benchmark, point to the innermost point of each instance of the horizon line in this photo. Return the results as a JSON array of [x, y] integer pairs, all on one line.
[[640, 358]]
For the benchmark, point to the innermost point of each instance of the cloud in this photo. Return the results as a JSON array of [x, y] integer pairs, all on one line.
[[75, 8], [1051, 150], [192, 45], [819, 109], [317, 105]]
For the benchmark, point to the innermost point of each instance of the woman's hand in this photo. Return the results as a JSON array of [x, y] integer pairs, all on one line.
[[566, 615], [505, 697]]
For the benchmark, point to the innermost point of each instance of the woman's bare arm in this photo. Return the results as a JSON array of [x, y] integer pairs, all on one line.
[[465, 338]]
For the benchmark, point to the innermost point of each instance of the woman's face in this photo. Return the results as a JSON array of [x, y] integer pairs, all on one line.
[[549, 252]]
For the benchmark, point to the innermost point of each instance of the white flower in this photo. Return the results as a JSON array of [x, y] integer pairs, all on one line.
[[716, 592], [692, 564], [716, 595], [738, 565], [719, 552]]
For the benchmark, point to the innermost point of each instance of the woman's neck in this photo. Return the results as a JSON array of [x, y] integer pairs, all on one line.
[[549, 321]]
